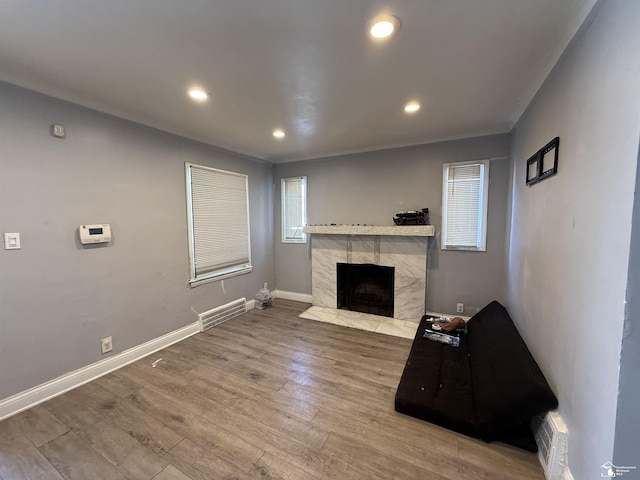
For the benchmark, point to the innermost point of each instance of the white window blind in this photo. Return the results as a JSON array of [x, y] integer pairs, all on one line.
[[464, 213], [294, 209], [219, 240]]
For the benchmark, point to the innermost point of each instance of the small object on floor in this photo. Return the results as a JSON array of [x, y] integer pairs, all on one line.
[[263, 299]]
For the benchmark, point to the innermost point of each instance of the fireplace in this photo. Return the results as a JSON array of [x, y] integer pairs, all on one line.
[[366, 288], [407, 254]]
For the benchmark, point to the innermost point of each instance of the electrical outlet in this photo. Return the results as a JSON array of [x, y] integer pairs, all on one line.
[[266, 286], [106, 344], [460, 307]]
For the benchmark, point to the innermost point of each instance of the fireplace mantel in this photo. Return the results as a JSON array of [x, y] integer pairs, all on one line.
[[381, 230]]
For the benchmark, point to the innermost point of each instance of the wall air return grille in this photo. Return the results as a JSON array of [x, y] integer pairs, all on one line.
[[216, 316], [551, 436]]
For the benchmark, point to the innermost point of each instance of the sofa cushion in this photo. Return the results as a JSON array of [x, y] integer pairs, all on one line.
[[509, 387], [436, 384]]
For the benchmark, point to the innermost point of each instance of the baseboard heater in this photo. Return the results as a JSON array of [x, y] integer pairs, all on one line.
[[217, 315]]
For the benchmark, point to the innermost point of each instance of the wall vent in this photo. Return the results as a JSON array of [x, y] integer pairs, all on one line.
[[551, 436], [216, 316]]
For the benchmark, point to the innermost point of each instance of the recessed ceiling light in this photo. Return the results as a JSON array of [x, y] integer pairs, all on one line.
[[412, 107], [198, 94], [278, 133], [383, 26]]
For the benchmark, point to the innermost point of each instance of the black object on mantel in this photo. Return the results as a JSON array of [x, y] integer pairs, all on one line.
[[412, 217]]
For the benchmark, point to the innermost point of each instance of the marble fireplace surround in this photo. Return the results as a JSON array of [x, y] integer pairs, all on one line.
[[404, 248]]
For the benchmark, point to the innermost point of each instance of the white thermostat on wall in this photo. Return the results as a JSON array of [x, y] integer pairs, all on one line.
[[100, 233]]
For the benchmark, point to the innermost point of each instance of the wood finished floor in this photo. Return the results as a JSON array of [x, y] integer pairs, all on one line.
[[263, 396]]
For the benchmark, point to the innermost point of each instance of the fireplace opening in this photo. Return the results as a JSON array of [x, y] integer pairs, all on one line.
[[366, 288]]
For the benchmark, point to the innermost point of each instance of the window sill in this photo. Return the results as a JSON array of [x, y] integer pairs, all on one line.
[[214, 277], [463, 249]]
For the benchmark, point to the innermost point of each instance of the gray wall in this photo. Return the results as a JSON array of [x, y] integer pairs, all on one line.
[[570, 234], [626, 451], [58, 299], [370, 187]]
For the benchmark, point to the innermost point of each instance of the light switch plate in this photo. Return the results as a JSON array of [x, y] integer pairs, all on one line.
[[11, 241]]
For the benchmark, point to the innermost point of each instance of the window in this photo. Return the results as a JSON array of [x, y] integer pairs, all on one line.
[[218, 217], [294, 209], [465, 191]]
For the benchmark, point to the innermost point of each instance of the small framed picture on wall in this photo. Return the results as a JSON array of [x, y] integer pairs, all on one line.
[[544, 163], [549, 159], [533, 169]]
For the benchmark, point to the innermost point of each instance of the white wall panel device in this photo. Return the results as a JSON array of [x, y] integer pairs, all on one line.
[[99, 233]]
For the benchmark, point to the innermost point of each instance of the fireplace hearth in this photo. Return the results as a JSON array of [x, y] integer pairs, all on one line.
[[365, 288]]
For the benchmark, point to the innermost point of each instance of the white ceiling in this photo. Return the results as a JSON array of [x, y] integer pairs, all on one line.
[[305, 66]]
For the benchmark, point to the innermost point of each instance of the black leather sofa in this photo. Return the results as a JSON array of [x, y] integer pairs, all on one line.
[[489, 387]]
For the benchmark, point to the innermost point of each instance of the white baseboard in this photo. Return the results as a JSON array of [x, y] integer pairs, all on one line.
[[297, 297], [251, 304], [41, 393]]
